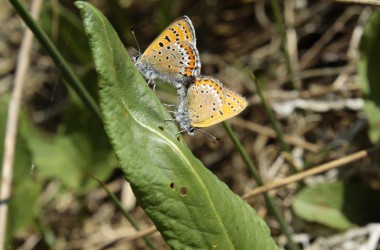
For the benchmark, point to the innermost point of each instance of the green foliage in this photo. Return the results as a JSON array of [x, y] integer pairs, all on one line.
[[191, 208], [25, 189], [369, 72], [79, 146], [68, 35], [338, 205]]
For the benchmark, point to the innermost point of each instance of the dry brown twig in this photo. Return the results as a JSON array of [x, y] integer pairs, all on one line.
[[310, 55], [292, 40], [271, 133], [12, 123], [313, 171], [353, 51], [368, 2], [115, 236], [142, 233]]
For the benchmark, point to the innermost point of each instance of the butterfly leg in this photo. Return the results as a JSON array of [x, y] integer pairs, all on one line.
[[152, 82], [169, 120], [169, 105], [180, 132]]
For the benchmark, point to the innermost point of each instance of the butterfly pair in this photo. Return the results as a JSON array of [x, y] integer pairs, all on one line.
[[174, 58]]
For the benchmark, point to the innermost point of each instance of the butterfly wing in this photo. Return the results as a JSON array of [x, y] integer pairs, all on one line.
[[177, 60], [180, 29], [173, 54], [205, 98], [201, 108]]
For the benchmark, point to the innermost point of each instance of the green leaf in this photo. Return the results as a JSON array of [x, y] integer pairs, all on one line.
[[369, 73], [338, 205], [79, 146], [69, 37], [190, 207], [322, 204]]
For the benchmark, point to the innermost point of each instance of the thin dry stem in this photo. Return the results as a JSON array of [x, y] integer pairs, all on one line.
[[369, 2], [302, 175], [292, 39], [271, 133], [113, 237], [12, 124], [310, 55], [353, 48]]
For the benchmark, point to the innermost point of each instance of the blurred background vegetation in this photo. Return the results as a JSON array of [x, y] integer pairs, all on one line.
[[319, 62]]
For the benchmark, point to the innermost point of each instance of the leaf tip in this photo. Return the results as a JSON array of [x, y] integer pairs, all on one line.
[[80, 4]]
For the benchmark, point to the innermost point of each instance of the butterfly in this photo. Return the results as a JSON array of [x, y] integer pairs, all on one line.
[[172, 56], [207, 102]]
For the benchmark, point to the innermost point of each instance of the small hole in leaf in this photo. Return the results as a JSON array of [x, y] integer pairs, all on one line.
[[183, 191], [161, 128], [214, 245], [178, 138], [171, 185]]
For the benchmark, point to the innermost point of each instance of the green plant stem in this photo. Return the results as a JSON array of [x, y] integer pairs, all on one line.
[[273, 207], [243, 153], [71, 79], [284, 43], [148, 241], [259, 82], [275, 124]]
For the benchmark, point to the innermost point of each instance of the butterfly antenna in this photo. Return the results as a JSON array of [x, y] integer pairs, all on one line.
[[212, 138], [134, 37]]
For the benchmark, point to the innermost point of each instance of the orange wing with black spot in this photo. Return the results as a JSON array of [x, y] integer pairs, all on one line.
[[180, 29], [174, 51]]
